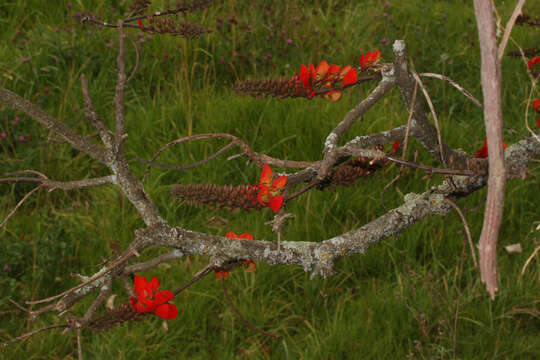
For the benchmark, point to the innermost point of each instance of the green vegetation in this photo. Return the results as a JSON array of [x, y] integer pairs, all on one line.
[[416, 294]]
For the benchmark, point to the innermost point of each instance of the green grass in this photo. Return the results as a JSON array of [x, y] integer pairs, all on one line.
[[415, 294]]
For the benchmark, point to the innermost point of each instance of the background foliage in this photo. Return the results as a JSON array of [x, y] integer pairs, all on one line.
[[416, 295]]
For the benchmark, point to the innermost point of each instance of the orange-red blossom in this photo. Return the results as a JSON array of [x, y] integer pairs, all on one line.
[[269, 191]]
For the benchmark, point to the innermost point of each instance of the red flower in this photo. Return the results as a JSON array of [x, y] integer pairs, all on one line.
[[324, 77], [483, 151], [140, 24], [150, 299], [269, 191], [533, 61], [369, 59], [250, 264]]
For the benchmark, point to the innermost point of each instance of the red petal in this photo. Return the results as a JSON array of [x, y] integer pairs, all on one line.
[[145, 305], [275, 203], [334, 69], [538, 123], [166, 311], [312, 72], [351, 77], [266, 175], [251, 266], [139, 285], [231, 235], [533, 62], [395, 146], [483, 151], [263, 196], [369, 59], [279, 183], [246, 236], [322, 70], [140, 24], [221, 274], [344, 70], [333, 96], [163, 296], [363, 61], [304, 75], [154, 283]]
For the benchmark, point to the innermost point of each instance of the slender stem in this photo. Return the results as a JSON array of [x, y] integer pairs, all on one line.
[[247, 323]]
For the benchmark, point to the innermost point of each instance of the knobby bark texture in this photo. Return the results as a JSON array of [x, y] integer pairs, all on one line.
[[491, 90]]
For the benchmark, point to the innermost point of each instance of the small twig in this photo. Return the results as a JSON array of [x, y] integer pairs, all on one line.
[[467, 230], [247, 323], [137, 59], [405, 142], [19, 306], [19, 204], [187, 167], [432, 109], [122, 259], [79, 346], [150, 264], [529, 259], [432, 170], [301, 191], [454, 84], [120, 84], [127, 285], [92, 115], [100, 299], [236, 141], [508, 28], [33, 332], [277, 224], [198, 276]]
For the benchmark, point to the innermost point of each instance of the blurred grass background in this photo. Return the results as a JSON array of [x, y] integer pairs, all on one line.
[[417, 295]]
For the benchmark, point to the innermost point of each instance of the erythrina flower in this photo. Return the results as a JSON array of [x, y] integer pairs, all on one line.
[[324, 77], [483, 151], [533, 61], [150, 299], [369, 59], [269, 191]]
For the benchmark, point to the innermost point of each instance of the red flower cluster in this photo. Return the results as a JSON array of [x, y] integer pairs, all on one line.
[[250, 264], [324, 76], [533, 61], [269, 192], [483, 151], [150, 299], [370, 59]]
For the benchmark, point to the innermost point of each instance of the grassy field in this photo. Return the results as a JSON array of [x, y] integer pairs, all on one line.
[[417, 295]]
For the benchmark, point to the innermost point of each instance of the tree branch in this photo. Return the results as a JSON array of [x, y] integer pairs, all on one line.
[[491, 89]]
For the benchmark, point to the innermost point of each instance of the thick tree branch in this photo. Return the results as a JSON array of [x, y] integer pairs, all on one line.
[[319, 257]]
